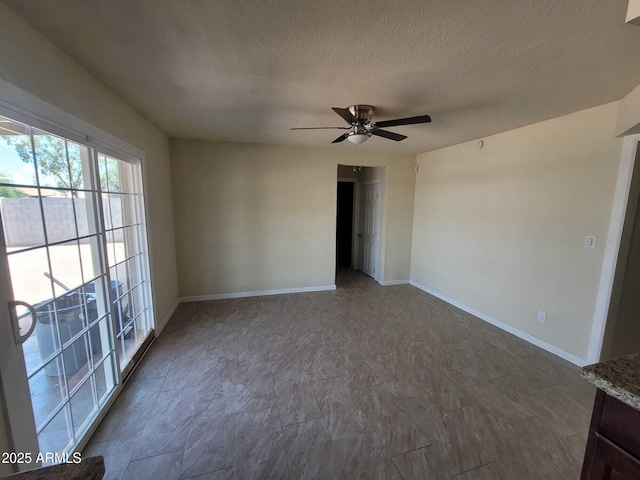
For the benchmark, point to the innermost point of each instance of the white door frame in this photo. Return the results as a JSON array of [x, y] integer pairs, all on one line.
[[377, 276], [355, 254], [612, 247], [21, 423]]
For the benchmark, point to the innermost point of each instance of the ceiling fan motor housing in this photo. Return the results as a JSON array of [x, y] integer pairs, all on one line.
[[363, 113]]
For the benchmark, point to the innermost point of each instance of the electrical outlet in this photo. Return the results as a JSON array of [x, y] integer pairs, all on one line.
[[542, 316]]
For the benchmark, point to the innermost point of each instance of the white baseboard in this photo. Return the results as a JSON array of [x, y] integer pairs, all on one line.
[[388, 283], [160, 327], [257, 293], [507, 328]]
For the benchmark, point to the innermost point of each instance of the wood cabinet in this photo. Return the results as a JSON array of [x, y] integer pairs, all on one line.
[[613, 447]]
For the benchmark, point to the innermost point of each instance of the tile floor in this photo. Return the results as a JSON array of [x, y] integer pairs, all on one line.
[[365, 382]]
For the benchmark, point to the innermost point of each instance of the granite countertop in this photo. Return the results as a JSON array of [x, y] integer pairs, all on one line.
[[91, 468], [619, 378]]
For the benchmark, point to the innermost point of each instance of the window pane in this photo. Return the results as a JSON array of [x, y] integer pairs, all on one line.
[[133, 265], [100, 335], [130, 239], [127, 177], [90, 253], [82, 406], [44, 343], [115, 206], [47, 391], [121, 314], [106, 211], [105, 380], [58, 434], [112, 174], [137, 300], [66, 270], [102, 172], [47, 337], [120, 276], [51, 160], [79, 165], [118, 245], [122, 351], [111, 246], [22, 217], [98, 299], [76, 361], [120, 304], [129, 210], [71, 314], [109, 174], [141, 327], [28, 276], [16, 158], [34, 358], [59, 217], [91, 304], [85, 214]]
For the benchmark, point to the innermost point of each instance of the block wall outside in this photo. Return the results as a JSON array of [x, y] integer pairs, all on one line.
[[22, 219]]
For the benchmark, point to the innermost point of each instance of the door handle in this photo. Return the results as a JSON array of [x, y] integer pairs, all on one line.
[[359, 235], [15, 321]]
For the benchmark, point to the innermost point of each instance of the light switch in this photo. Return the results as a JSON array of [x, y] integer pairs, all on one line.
[[590, 241], [542, 316]]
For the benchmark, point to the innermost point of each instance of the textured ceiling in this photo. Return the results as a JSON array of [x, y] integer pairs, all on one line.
[[248, 70]]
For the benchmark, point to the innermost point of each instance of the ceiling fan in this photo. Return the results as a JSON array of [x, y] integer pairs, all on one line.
[[361, 127]]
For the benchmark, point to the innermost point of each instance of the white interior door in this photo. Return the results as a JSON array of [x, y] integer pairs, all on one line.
[[369, 205]]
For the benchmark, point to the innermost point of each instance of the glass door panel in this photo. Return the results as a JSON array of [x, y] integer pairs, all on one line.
[[52, 227], [121, 186]]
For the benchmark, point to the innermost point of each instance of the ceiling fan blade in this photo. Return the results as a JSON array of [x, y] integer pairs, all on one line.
[[320, 128], [387, 134], [341, 138], [346, 114], [404, 121]]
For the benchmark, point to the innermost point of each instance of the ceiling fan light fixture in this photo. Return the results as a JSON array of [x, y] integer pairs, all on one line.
[[358, 138]]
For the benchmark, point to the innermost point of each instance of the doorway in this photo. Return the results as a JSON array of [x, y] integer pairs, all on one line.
[[359, 219], [344, 225]]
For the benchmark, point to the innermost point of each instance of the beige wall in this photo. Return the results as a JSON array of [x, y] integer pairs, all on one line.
[[628, 121], [258, 217], [501, 229], [32, 63]]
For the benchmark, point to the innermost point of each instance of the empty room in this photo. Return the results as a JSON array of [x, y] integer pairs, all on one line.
[[320, 240]]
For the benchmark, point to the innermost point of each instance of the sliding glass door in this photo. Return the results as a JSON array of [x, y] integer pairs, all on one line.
[[126, 254], [73, 270]]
